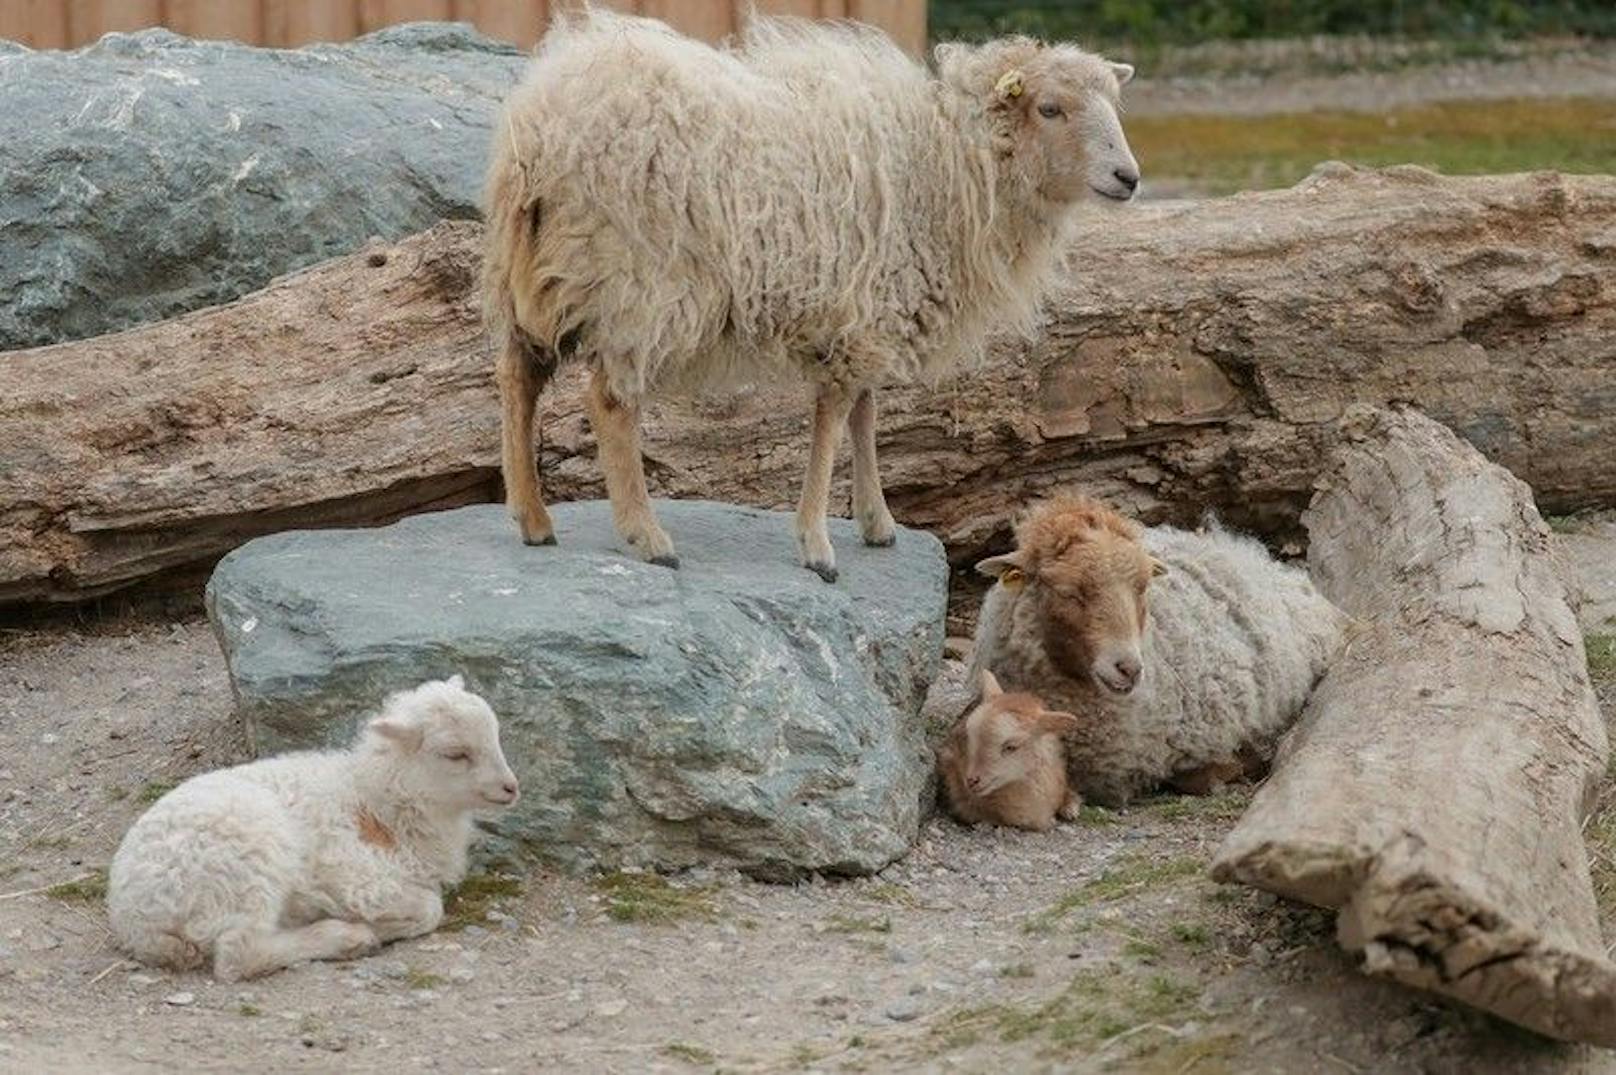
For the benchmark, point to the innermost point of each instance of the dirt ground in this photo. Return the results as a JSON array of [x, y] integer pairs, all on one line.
[[1100, 947]]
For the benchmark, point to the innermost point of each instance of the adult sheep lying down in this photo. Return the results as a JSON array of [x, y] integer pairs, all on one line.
[[1184, 656], [810, 202]]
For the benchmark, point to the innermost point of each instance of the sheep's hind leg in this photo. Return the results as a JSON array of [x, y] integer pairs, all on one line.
[[522, 373], [617, 432], [249, 951], [831, 407], [869, 503]]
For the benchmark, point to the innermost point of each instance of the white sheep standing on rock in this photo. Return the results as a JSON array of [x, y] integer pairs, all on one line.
[[1192, 688], [314, 855], [809, 202]]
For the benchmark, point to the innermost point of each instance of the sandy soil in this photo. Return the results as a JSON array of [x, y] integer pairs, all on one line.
[[1098, 947]]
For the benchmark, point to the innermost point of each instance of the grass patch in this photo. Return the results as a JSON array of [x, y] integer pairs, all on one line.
[[690, 1054], [1191, 934], [1139, 948], [1223, 154], [1096, 816], [1016, 970], [649, 897], [416, 978], [91, 889], [1601, 658], [251, 1011], [887, 892], [1093, 1008], [1126, 878], [842, 923], [154, 790], [468, 903], [1225, 806]]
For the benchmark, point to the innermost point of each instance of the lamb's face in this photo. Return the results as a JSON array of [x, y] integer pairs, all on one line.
[[444, 741], [1000, 736], [1069, 131]]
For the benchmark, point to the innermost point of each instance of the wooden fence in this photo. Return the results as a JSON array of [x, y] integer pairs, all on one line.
[[53, 24]]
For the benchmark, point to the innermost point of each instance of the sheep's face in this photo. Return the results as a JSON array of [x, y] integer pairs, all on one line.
[[1001, 736], [444, 744], [1061, 106], [1088, 594]]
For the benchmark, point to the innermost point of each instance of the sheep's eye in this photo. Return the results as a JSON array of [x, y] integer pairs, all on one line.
[[457, 755], [1049, 110], [1011, 747]]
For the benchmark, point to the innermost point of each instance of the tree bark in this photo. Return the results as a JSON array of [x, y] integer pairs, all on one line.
[[1435, 787], [1197, 358]]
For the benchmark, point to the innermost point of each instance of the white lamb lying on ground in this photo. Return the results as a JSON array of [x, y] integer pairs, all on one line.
[[317, 855]]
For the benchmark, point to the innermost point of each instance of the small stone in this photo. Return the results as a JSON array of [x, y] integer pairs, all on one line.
[[180, 1000], [474, 932], [502, 1002], [982, 966], [142, 980], [393, 968], [904, 1010], [900, 955], [44, 942], [50, 739], [609, 1009], [462, 975]]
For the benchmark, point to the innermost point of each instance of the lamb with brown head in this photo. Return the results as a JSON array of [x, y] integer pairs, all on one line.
[[1185, 654], [1004, 762]]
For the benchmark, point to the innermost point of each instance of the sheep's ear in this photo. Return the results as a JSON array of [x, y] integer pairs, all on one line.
[[1157, 568], [999, 567], [1011, 85], [1055, 722], [1124, 73], [457, 682], [406, 733], [989, 684]]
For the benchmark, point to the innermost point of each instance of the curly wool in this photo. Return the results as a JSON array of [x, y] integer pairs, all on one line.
[[1233, 646], [810, 200]]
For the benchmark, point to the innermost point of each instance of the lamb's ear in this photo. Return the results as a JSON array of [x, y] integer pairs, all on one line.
[[457, 682], [1157, 568], [1124, 73], [405, 732], [1009, 568], [988, 683], [1055, 722]]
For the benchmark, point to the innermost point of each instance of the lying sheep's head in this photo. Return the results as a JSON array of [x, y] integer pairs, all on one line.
[[1000, 733], [443, 744], [1056, 114], [1086, 573]]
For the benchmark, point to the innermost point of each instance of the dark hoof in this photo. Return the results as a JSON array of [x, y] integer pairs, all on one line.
[[824, 571], [548, 539], [669, 560], [882, 543]]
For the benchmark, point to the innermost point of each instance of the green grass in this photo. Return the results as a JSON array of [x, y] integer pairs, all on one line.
[[887, 892], [416, 978], [91, 889], [844, 923], [154, 790], [1601, 658], [648, 897], [249, 1010], [1096, 816], [1191, 934], [1016, 970], [690, 1054], [1127, 877], [1226, 805], [468, 903], [1222, 154]]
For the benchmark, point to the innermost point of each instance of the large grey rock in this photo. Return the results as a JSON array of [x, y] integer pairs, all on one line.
[[737, 711], [150, 174]]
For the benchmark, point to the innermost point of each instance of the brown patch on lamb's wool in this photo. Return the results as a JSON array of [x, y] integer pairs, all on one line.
[[373, 832], [1052, 527]]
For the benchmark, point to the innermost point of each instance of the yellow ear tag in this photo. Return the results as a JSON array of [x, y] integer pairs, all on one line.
[[1013, 578], [1010, 85]]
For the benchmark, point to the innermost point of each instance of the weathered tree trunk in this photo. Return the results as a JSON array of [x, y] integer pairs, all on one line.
[[1435, 787], [1197, 359]]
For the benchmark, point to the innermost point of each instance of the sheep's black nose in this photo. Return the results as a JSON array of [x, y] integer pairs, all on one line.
[[1127, 177]]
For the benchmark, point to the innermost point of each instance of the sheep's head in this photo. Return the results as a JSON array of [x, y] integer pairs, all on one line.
[[1055, 114], [442, 743], [1000, 734], [1084, 570]]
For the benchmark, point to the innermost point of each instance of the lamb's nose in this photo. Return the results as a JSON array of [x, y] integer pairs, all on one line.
[[1128, 669], [510, 788], [1128, 177], [973, 782]]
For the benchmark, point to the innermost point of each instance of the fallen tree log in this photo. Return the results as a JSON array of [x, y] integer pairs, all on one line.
[[1435, 787], [1198, 358]]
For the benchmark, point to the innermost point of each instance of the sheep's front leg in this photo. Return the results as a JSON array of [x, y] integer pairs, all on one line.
[[416, 913], [869, 503], [617, 432], [831, 406]]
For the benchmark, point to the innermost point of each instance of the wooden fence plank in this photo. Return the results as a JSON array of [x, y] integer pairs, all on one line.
[[520, 22], [87, 20], [290, 23], [39, 24], [218, 20], [707, 19], [375, 14], [904, 20]]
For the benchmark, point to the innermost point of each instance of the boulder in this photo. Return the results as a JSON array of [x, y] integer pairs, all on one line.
[[737, 711], [149, 174]]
